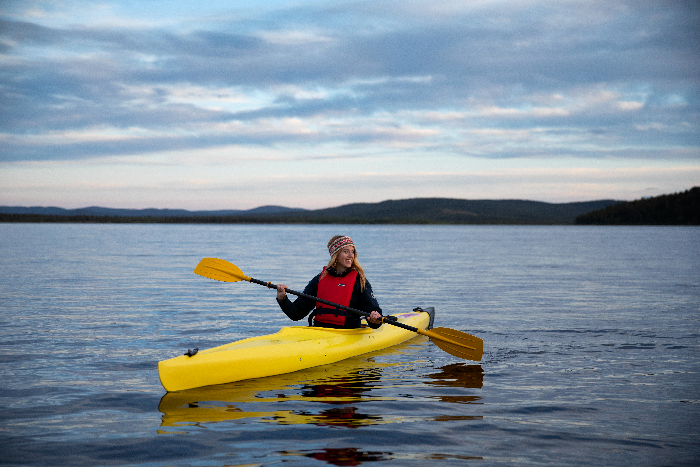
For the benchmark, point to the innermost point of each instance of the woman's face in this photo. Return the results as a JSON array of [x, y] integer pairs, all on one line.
[[345, 258]]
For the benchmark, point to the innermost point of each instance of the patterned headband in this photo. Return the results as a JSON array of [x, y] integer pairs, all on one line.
[[338, 244]]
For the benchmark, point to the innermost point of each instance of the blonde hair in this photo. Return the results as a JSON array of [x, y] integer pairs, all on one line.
[[355, 264]]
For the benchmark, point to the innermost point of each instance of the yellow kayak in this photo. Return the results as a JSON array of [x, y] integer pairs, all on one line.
[[290, 349], [348, 381]]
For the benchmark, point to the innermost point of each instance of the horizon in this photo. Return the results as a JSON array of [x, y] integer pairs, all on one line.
[[310, 105], [334, 206]]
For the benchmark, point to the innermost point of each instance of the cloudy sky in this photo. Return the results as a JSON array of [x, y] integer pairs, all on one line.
[[238, 104]]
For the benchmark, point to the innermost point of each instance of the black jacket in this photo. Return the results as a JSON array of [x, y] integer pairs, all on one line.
[[360, 300]]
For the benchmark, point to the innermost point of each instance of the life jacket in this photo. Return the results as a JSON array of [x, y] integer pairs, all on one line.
[[337, 290]]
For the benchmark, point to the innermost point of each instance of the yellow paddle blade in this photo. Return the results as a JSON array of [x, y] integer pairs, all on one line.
[[220, 270], [456, 343]]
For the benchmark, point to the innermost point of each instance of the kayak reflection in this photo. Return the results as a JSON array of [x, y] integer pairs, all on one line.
[[345, 383], [227, 402], [340, 391], [332, 395]]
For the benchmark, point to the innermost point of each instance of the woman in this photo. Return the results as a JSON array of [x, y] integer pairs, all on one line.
[[343, 282]]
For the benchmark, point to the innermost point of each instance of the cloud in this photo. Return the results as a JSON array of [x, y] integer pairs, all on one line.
[[466, 81], [494, 111]]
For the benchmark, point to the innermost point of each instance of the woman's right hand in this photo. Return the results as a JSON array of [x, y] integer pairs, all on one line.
[[281, 291]]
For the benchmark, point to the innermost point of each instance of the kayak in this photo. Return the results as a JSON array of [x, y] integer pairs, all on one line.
[[292, 348], [346, 382]]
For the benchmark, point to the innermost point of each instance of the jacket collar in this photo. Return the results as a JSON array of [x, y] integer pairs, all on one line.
[[335, 273]]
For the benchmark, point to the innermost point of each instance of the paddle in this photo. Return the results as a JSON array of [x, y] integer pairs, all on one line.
[[457, 343]]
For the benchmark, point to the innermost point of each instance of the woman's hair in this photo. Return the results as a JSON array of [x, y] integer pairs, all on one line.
[[355, 264]]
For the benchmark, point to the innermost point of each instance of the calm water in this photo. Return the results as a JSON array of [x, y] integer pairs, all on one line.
[[592, 348]]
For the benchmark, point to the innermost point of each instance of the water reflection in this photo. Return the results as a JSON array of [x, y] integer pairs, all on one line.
[[354, 456], [229, 402], [305, 397], [459, 375], [342, 389], [343, 457]]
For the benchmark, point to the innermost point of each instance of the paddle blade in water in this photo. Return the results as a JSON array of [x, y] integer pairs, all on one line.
[[457, 343], [220, 270]]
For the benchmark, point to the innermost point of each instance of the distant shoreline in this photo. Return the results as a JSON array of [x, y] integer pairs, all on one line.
[[428, 211], [55, 219], [675, 209]]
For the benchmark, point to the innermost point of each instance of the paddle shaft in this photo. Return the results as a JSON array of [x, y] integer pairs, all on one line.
[[385, 319]]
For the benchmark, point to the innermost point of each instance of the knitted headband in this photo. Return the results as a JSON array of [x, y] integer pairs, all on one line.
[[338, 244]]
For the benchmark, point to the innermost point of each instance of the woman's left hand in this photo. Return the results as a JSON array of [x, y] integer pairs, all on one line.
[[375, 317]]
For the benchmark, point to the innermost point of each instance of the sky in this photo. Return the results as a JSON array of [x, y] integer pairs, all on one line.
[[313, 104]]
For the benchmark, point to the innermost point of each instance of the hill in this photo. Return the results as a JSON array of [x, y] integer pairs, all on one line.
[[408, 211], [675, 209], [453, 211]]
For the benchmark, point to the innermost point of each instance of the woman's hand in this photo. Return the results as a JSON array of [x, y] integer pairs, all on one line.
[[281, 291], [375, 317]]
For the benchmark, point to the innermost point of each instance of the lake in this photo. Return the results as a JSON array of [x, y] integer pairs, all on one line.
[[591, 347]]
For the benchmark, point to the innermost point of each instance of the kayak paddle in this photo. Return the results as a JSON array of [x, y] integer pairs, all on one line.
[[457, 343]]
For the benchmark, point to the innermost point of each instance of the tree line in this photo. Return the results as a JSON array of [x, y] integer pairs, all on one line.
[[673, 209]]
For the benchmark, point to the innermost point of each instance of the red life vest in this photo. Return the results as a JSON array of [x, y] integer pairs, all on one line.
[[337, 290]]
